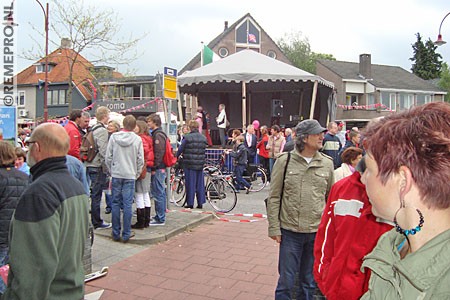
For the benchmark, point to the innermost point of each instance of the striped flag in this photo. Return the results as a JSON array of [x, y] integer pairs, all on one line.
[[251, 38], [208, 56]]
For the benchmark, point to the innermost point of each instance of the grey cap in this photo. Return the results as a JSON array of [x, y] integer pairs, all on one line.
[[309, 127]]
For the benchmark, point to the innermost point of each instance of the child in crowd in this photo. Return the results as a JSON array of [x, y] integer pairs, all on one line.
[[20, 162], [240, 161]]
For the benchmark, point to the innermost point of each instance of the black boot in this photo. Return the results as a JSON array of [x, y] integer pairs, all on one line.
[[140, 219], [147, 211]]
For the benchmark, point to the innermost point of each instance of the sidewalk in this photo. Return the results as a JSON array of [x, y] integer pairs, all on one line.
[[216, 260]]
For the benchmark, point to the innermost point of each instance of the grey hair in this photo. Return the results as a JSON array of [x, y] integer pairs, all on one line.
[[300, 141], [86, 114]]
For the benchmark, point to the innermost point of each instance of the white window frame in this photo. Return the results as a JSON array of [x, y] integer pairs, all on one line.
[[394, 96], [19, 94], [428, 99]]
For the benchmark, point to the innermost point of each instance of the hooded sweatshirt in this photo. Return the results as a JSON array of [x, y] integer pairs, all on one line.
[[125, 155]]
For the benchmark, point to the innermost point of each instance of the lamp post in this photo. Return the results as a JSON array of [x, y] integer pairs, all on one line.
[[45, 11], [440, 41]]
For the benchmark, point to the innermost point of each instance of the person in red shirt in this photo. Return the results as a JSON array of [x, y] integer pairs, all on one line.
[[78, 121], [347, 232], [263, 152]]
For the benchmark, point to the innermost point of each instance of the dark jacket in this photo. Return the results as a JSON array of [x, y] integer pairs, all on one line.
[[12, 183], [331, 147], [159, 148], [47, 236], [240, 155], [252, 148], [289, 146], [193, 148]]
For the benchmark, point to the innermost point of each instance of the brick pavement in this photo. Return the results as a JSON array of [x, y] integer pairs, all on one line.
[[217, 260]]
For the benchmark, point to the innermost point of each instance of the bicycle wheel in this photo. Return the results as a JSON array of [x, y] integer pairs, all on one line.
[[259, 180], [178, 189], [221, 195]]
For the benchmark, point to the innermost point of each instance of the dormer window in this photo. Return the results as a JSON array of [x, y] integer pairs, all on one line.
[[40, 68], [248, 35]]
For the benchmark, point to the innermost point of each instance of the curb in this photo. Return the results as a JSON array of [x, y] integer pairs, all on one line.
[[155, 237]]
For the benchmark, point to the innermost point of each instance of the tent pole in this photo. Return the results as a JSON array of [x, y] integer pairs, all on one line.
[[300, 107], [244, 121], [313, 100]]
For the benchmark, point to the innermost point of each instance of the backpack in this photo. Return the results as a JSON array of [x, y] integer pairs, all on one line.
[[169, 160], [88, 148]]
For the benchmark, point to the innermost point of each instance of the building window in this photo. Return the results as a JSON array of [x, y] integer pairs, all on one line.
[[223, 52], [271, 54], [392, 101], [371, 101], [41, 68], [406, 101], [428, 99], [20, 99], [248, 35], [351, 100], [57, 97]]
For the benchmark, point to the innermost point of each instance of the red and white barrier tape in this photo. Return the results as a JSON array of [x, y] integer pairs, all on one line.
[[258, 217]]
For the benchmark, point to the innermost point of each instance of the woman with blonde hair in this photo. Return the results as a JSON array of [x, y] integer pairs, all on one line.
[[407, 181]]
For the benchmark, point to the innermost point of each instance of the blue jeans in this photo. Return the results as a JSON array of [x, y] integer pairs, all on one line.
[[296, 256], [98, 179], [122, 193], [195, 184], [158, 189], [3, 261], [240, 181]]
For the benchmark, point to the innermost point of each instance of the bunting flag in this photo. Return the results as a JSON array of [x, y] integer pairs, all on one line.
[[365, 107], [208, 56], [251, 38]]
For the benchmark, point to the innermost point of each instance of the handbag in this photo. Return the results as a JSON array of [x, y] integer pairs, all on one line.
[[282, 187]]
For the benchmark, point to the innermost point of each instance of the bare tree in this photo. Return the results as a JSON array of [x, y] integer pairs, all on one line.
[[89, 30]]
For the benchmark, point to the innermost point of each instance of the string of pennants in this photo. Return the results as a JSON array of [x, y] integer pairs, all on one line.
[[64, 120], [365, 107]]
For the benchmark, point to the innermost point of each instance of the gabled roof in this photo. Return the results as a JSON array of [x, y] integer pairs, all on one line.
[[246, 66], [61, 58], [383, 77], [197, 58]]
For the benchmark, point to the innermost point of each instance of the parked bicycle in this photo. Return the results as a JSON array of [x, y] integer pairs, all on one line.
[[219, 193], [255, 174]]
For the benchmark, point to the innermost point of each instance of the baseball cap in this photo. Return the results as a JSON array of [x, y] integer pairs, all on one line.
[[309, 127]]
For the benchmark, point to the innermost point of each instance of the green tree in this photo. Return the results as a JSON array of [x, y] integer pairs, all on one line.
[[298, 49], [427, 63], [444, 81]]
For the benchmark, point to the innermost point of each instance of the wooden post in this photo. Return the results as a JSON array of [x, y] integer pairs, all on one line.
[[244, 114], [300, 107], [313, 100]]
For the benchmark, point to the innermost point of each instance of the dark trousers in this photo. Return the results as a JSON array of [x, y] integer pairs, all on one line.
[[296, 257], [240, 181], [265, 163], [98, 179], [222, 137], [195, 185]]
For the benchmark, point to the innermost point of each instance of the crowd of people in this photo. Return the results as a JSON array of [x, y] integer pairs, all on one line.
[[362, 215]]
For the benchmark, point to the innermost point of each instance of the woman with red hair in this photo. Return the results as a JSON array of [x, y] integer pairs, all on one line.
[[407, 180]]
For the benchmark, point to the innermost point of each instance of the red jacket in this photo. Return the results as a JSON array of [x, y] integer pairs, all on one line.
[[347, 232], [262, 146], [75, 139], [147, 143]]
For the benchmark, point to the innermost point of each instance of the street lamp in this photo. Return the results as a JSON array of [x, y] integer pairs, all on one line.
[[440, 41], [45, 11]]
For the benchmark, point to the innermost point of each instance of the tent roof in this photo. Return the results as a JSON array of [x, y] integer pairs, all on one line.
[[248, 66]]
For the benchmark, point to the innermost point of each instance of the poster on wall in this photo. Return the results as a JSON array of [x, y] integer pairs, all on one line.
[[8, 124]]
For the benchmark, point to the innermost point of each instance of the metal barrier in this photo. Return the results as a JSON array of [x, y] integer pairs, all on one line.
[[215, 155]]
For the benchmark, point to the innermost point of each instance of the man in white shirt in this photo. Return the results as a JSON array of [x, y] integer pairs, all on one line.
[[222, 124]]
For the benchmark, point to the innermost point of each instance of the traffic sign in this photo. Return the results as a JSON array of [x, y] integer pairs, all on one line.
[[170, 83]]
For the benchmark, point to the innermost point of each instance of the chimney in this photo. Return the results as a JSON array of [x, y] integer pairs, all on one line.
[[65, 43], [226, 26], [365, 66]]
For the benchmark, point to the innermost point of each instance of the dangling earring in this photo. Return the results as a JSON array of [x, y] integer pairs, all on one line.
[[412, 231]]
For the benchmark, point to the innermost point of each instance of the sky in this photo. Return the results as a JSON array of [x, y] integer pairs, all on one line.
[[174, 29]]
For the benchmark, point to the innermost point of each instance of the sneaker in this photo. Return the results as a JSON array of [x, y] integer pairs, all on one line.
[[200, 206], [132, 234], [104, 225], [188, 206], [107, 210], [156, 223]]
